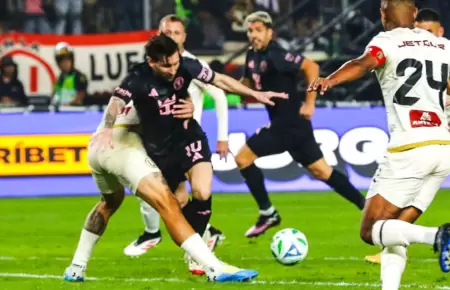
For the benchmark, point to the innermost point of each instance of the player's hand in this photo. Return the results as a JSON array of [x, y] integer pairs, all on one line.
[[222, 149], [321, 85], [307, 110], [184, 110], [264, 97], [102, 140]]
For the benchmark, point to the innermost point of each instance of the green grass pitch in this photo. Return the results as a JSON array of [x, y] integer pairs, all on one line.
[[38, 237]]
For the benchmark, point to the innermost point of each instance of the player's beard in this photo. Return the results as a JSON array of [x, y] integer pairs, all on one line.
[[165, 76]]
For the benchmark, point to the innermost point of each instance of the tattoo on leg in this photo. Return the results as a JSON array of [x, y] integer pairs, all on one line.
[[95, 222]]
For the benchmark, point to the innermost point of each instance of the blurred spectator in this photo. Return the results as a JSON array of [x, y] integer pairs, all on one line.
[[270, 6], [71, 85], [128, 15], [237, 14], [12, 93], [69, 10], [36, 21]]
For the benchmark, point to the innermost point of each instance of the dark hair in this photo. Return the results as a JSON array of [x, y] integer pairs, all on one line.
[[428, 14], [171, 18], [159, 47]]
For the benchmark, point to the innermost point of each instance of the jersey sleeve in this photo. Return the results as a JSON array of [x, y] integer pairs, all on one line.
[[198, 71], [379, 48], [129, 89], [81, 82], [285, 61]]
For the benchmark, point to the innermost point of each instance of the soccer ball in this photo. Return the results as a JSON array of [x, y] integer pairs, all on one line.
[[289, 246]]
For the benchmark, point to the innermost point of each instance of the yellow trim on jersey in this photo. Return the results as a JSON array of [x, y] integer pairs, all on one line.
[[417, 145], [122, 126]]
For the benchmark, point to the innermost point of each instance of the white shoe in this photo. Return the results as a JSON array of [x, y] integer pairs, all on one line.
[[195, 268], [141, 245], [212, 237], [74, 273]]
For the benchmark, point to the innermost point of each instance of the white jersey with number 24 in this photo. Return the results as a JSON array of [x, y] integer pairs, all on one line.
[[413, 73]]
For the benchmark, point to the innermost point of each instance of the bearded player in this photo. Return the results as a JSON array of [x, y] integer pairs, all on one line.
[[173, 26]]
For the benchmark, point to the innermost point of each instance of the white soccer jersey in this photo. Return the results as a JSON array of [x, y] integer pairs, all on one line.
[[413, 75], [121, 132], [195, 91]]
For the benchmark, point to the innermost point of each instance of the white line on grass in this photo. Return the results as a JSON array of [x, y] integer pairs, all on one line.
[[147, 257], [176, 280]]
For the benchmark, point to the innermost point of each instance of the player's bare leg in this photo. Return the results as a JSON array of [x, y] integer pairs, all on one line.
[[336, 180], [152, 234], [94, 227], [254, 178], [410, 215], [154, 191], [380, 226]]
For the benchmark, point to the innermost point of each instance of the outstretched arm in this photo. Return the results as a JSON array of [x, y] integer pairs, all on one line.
[[229, 84], [350, 71]]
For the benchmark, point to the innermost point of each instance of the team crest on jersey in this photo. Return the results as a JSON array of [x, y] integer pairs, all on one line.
[[263, 66], [289, 57], [420, 118], [178, 83]]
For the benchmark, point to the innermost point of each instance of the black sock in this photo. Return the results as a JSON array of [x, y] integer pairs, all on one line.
[[254, 179], [340, 183], [198, 213]]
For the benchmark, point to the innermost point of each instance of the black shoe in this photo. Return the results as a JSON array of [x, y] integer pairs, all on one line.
[[264, 223], [442, 246]]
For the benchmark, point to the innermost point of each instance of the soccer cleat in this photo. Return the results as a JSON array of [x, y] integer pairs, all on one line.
[[194, 267], [228, 273], [216, 232], [74, 273], [442, 246], [145, 242], [263, 224], [375, 259], [212, 237]]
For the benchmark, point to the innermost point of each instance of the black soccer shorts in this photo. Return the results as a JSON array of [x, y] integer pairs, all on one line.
[[175, 164], [281, 136]]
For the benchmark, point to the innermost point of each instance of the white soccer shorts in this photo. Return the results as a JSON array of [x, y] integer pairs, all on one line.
[[413, 177], [120, 166]]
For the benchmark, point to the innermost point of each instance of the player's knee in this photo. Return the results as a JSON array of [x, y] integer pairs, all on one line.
[[182, 200], [242, 161], [111, 202], [365, 233], [320, 170], [201, 193]]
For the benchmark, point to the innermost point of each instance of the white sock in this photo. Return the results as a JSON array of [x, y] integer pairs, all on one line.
[[390, 233], [268, 211], [150, 217], [85, 247], [393, 262], [198, 250]]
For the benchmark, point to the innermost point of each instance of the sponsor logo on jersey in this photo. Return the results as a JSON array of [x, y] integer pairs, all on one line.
[[153, 93], [426, 43], [420, 118], [123, 92]]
